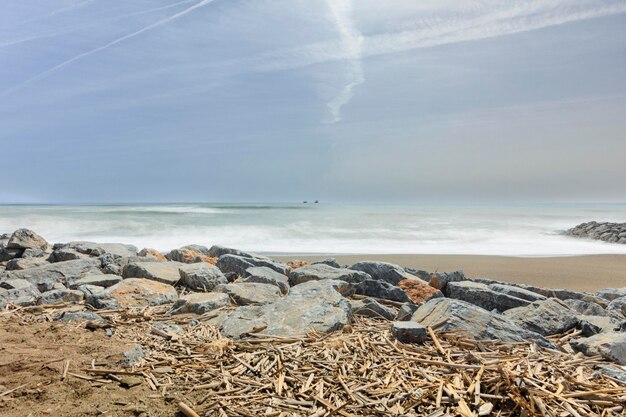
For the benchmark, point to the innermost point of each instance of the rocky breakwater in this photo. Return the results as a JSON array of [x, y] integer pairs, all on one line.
[[246, 295], [604, 231]]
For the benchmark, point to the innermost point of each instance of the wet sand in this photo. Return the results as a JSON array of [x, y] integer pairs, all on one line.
[[581, 273]]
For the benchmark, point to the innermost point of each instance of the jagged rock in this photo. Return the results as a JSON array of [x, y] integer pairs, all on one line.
[[605, 231], [201, 277], [98, 249], [476, 322], [33, 253], [381, 289], [100, 280], [24, 296], [611, 294], [323, 272], [133, 292], [26, 239], [617, 308], [612, 372], [65, 254], [409, 332], [68, 316], [217, 251], [483, 296], [44, 277], [440, 280], [165, 272], [188, 256], [371, 308], [171, 329], [265, 275], [15, 283], [7, 254], [133, 357], [89, 289], [328, 261], [200, 303], [418, 291], [19, 264], [61, 296], [245, 293], [239, 265], [152, 253], [406, 311], [590, 325], [382, 271], [545, 317], [112, 264], [611, 346], [313, 305], [586, 308], [199, 248], [517, 292]]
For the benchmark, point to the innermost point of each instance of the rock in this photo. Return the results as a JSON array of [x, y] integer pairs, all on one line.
[[33, 253], [245, 293], [328, 261], [152, 253], [189, 256], [605, 231], [165, 272], [61, 296], [200, 303], [611, 346], [313, 305], [383, 271], [369, 307], [545, 317], [483, 296], [405, 312], [265, 275], [381, 289], [323, 272], [26, 239], [7, 254], [612, 372], [591, 325], [476, 322], [115, 265], [200, 249], [239, 265], [517, 292], [418, 291], [89, 289], [98, 249], [617, 309], [133, 357], [611, 294], [587, 308], [100, 280], [440, 280], [19, 264], [25, 296], [201, 277], [44, 277], [171, 329], [60, 255], [217, 251], [409, 332], [68, 316], [133, 292], [15, 283]]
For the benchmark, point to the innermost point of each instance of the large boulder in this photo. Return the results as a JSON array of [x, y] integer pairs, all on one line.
[[238, 264], [322, 272], [201, 277], [478, 323], [165, 272], [152, 253], [383, 271], [587, 308], [440, 280], [369, 307], [23, 296], [61, 296], [98, 249], [100, 280], [265, 275], [611, 294], [217, 251], [381, 289], [6, 254], [328, 261], [200, 303], [245, 293], [26, 239], [133, 292], [313, 305], [517, 292], [45, 277], [409, 332], [545, 317], [188, 256], [19, 264], [611, 346], [617, 308], [483, 296]]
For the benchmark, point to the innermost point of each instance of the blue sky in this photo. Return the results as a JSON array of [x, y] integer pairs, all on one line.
[[342, 100]]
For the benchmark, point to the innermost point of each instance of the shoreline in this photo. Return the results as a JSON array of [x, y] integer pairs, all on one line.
[[575, 272]]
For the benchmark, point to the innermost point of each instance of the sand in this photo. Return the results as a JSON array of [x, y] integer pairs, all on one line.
[[581, 273]]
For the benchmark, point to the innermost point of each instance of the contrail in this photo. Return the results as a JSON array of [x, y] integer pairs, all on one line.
[[351, 40], [57, 67], [112, 19]]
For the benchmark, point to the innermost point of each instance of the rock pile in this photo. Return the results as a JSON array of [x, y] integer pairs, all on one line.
[[246, 295], [605, 231]]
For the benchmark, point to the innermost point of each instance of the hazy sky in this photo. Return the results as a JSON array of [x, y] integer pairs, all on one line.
[[340, 100]]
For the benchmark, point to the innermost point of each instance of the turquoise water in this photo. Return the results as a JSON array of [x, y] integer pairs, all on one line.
[[530, 230]]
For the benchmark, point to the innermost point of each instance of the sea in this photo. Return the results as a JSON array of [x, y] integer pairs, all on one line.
[[324, 228]]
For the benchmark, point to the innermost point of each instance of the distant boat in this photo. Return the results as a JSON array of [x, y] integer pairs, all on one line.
[[305, 202], [316, 201]]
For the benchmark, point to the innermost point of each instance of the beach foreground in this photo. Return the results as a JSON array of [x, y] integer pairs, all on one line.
[[580, 273]]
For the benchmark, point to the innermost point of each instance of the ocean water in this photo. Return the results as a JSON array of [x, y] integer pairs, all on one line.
[[529, 230]]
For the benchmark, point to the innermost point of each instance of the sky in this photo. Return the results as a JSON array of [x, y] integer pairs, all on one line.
[[339, 100]]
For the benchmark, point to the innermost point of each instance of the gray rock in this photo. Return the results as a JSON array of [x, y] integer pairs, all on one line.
[[98, 249], [25, 296], [133, 292], [169, 328], [198, 248], [200, 303], [483, 296], [44, 277], [328, 261], [100, 280], [152, 253], [587, 308], [617, 309], [61, 296], [545, 317], [611, 294], [313, 305], [68, 316], [89, 289], [133, 357], [381, 289], [406, 311], [517, 292], [165, 272], [371, 308], [322, 272], [26, 239], [476, 322], [33, 253], [217, 251], [19, 264], [606, 231], [186, 255], [245, 293], [67, 254], [440, 280], [591, 325], [265, 275], [15, 283], [409, 332], [7, 254], [611, 346], [201, 277], [612, 372], [239, 264], [382, 271]]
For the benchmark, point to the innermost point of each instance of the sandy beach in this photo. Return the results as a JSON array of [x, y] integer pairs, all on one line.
[[581, 273]]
